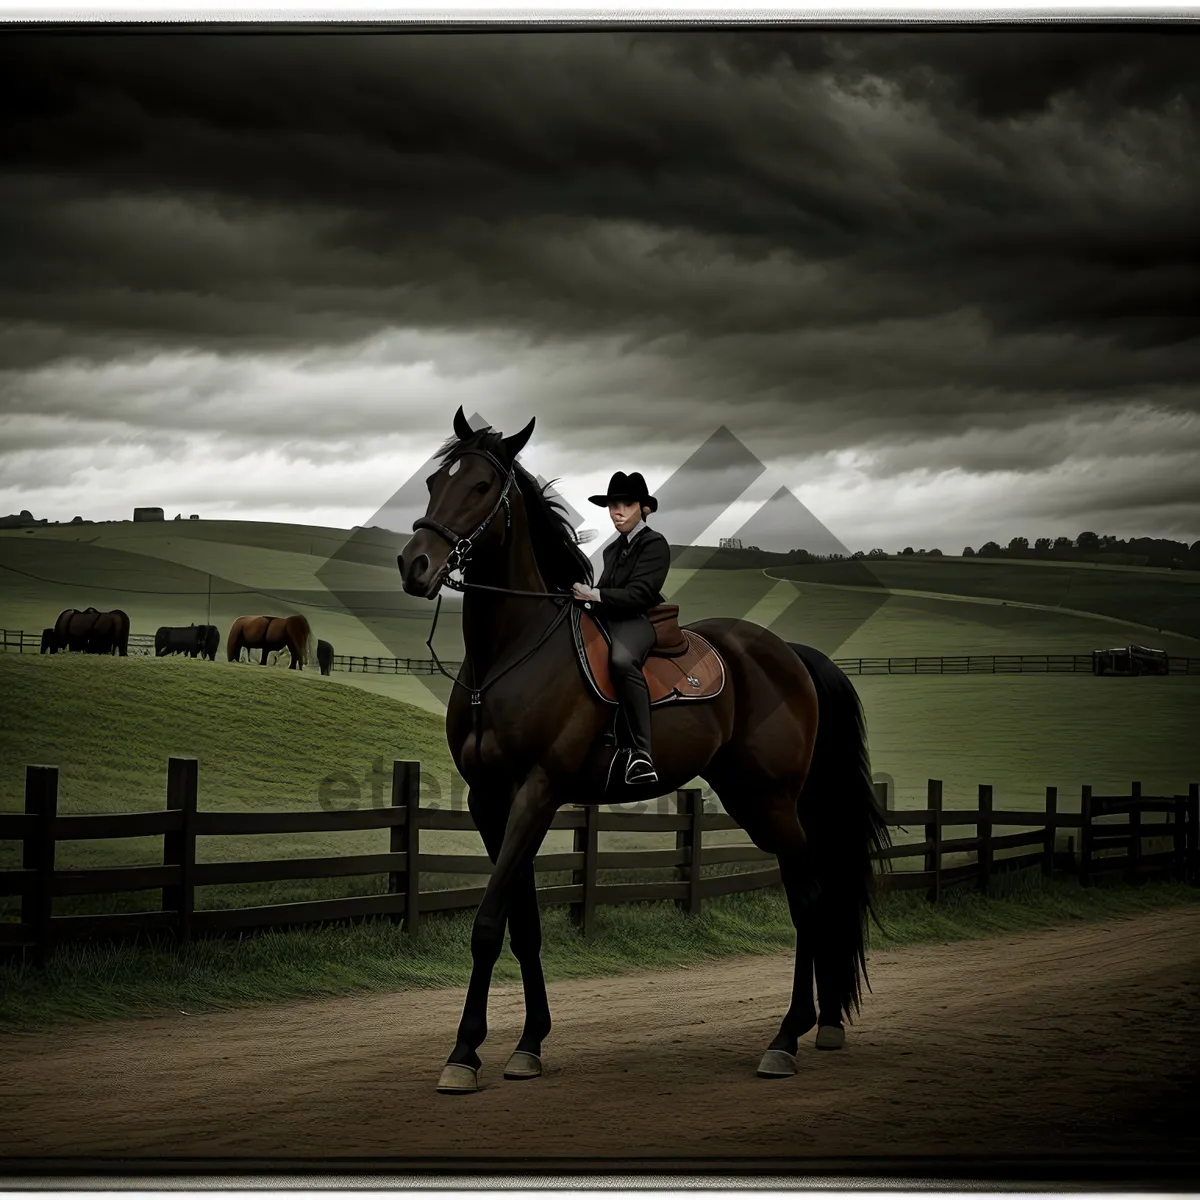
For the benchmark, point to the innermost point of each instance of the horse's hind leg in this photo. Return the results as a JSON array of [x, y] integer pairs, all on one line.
[[769, 817]]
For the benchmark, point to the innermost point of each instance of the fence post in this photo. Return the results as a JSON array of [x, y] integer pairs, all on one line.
[[691, 803], [37, 905], [983, 828], [179, 848], [881, 794], [1135, 832], [1193, 825], [587, 839], [406, 794], [933, 835], [406, 790], [1050, 839], [682, 838], [1178, 833], [1085, 835]]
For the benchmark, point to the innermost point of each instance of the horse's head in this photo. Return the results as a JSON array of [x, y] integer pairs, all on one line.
[[467, 512]]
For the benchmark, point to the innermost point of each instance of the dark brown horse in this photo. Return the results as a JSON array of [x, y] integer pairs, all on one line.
[[526, 733], [272, 633], [91, 632]]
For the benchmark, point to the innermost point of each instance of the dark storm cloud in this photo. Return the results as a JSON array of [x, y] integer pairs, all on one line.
[[866, 236]]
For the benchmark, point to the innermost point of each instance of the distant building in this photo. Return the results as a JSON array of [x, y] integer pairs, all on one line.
[[730, 544], [148, 514], [194, 517]]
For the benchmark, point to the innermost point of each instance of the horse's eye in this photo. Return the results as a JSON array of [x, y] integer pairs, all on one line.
[[482, 486]]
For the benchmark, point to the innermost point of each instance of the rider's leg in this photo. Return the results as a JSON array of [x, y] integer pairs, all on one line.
[[632, 640]]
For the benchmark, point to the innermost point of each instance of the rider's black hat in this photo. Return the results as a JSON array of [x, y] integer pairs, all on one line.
[[626, 487]]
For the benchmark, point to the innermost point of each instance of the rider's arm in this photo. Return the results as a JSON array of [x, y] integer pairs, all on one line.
[[654, 562]]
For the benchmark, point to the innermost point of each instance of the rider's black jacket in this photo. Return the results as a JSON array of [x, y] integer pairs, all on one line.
[[632, 580]]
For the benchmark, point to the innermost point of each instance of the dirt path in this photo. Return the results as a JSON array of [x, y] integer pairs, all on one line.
[[1078, 1040]]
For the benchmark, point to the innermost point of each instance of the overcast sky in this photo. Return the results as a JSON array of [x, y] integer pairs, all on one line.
[[944, 286]]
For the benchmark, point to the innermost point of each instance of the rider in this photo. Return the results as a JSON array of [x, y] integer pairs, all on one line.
[[635, 569]]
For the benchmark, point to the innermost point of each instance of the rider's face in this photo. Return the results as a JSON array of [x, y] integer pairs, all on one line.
[[625, 514]]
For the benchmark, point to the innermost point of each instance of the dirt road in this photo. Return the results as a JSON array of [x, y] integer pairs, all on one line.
[[1081, 1040]]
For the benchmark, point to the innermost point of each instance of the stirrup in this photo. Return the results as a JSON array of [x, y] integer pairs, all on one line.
[[640, 769]]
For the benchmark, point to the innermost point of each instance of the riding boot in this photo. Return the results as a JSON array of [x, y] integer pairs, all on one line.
[[640, 768]]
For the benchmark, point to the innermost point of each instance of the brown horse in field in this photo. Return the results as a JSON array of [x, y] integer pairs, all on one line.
[[292, 634], [91, 632]]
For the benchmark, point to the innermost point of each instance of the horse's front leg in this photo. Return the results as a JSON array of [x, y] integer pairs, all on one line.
[[528, 820], [490, 814]]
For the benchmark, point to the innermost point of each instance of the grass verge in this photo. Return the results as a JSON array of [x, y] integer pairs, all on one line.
[[94, 981]]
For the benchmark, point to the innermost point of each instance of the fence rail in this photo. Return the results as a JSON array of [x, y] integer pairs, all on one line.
[[1113, 835], [19, 641]]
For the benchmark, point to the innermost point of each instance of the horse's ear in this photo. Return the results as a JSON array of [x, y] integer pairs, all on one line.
[[462, 428], [515, 444]]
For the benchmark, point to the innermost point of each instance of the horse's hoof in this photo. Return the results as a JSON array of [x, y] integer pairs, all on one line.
[[831, 1037], [777, 1064], [523, 1065], [458, 1078]]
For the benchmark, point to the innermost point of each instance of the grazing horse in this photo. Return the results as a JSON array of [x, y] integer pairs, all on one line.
[[92, 632], [272, 633], [212, 642], [193, 640], [781, 741], [325, 657]]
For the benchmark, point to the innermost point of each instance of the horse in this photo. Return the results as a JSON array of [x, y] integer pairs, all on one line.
[[272, 633], [193, 640], [49, 641], [325, 657], [782, 743], [212, 642], [92, 632]]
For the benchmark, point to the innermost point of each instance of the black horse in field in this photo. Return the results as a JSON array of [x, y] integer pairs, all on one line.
[[192, 640], [324, 656], [89, 631]]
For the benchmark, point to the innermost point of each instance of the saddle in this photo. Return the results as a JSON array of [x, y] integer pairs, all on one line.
[[681, 665]]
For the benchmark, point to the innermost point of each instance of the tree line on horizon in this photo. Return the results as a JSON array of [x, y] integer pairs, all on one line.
[[1087, 547]]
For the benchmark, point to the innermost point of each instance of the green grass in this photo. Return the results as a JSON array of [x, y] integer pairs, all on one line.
[[266, 740], [99, 981], [1163, 600]]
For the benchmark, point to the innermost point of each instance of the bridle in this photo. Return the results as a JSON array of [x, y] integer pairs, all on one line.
[[461, 547]]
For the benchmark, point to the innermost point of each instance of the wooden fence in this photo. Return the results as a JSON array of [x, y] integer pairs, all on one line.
[[22, 642], [1106, 847]]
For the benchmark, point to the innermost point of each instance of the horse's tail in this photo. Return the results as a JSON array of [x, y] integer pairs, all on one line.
[[301, 633], [62, 625], [121, 637], [846, 827], [233, 647]]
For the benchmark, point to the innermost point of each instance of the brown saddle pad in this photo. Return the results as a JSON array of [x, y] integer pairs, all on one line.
[[693, 672]]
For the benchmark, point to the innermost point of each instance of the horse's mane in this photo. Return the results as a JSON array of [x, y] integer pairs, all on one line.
[[555, 543]]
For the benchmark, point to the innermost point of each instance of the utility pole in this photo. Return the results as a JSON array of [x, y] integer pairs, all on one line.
[[208, 610]]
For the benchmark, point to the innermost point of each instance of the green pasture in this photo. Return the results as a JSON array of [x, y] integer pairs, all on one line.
[[273, 739], [177, 572], [180, 572], [278, 740], [1157, 600]]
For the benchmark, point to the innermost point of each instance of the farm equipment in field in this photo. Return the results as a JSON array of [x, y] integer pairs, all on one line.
[[1130, 660]]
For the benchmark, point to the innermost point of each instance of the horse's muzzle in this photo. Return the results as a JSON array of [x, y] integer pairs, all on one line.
[[419, 579]]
